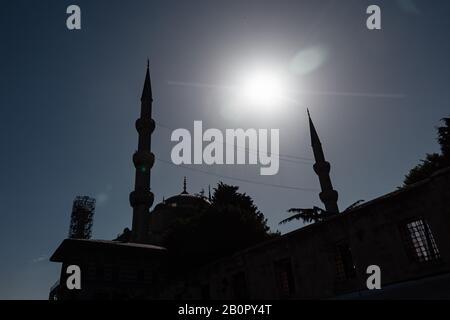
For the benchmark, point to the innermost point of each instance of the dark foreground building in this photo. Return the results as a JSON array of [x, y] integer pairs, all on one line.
[[405, 233]]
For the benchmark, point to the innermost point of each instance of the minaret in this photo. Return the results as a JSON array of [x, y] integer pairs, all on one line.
[[141, 199], [184, 186], [328, 196]]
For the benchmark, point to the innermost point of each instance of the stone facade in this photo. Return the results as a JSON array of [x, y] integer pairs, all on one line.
[[110, 270], [405, 233]]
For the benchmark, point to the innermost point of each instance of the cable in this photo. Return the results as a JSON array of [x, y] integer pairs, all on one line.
[[239, 179]]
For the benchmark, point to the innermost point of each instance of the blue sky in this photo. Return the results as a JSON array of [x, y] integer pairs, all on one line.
[[69, 99]]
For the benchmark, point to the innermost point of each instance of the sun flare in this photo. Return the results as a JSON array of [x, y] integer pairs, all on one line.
[[262, 90]]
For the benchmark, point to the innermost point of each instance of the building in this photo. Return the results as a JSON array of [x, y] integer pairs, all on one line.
[[405, 233], [110, 269], [165, 213]]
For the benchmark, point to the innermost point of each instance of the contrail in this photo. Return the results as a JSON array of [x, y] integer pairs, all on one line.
[[310, 93], [356, 94], [199, 85]]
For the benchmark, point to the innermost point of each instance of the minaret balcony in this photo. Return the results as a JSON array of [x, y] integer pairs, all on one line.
[[328, 196], [141, 198], [143, 159], [145, 125]]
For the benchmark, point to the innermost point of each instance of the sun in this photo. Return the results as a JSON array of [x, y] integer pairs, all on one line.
[[262, 90]]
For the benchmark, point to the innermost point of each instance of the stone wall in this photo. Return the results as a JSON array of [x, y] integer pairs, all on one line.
[[317, 261]]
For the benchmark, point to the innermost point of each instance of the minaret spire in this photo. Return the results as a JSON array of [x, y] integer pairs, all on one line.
[[141, 199], [184, 186], [328, 196], [147, 90]]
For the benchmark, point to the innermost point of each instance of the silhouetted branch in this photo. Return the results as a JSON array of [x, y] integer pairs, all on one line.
[[307, 215], [354, 205], [314, 214]]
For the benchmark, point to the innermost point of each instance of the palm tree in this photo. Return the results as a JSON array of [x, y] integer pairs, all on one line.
[[314, 214]]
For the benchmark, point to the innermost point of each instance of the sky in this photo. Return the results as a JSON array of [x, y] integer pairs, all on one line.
[[69, 100]]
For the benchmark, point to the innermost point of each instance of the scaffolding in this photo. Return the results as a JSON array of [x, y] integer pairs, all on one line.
[[82, 218]]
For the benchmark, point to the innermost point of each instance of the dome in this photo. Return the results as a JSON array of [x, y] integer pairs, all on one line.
[[168, 211], [186, 200]]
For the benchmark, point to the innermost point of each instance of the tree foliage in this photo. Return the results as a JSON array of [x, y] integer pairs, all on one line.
[[231, 223], [308, 215], [435, 161], [314, 214], [444, 138]]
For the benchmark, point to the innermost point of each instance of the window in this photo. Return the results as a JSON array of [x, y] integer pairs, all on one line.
[[91, 271], [128, 273], [240, 286], [205, 292], [345, 267], [420, 242], [147, 275], [99, 272], [285, 277], [108, 272]]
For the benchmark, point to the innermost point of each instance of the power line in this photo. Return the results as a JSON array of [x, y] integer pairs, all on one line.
[[239, 179], [282, 157]]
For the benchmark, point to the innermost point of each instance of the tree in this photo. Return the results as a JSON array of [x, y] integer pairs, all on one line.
[[435, 161], [432, 163], [232, 222], [444, 138], [314, 214]]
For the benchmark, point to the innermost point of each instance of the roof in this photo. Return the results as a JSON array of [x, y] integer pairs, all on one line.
[[69, 247], [402, 190], [387, 197], [185, 199]]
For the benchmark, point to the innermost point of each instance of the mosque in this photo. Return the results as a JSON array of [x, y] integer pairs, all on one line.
[[405, 233]]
